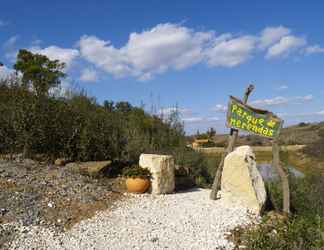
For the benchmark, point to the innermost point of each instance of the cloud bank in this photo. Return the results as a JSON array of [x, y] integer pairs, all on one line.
[[174, 47]]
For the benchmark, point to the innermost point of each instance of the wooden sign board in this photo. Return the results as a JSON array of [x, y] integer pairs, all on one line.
[[260, 122]]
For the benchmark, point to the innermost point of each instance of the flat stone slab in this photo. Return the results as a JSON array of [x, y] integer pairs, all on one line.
[[90, 168]]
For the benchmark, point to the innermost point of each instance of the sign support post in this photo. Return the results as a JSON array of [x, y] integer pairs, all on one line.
[[283, 176], [229, 149], [241, 116]]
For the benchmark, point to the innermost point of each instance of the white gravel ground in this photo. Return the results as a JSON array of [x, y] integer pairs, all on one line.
[[187, 220]]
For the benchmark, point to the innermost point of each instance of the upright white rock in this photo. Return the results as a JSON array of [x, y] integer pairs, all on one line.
[[162, 169], [241, 180]]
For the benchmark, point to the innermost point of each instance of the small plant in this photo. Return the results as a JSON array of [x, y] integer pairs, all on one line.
[[136, 171]]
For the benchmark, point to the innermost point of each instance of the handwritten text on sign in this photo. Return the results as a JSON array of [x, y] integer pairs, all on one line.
[[260, 122]]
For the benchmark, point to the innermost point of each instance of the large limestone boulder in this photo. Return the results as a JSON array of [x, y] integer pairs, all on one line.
[[162, 169], [241, 181]]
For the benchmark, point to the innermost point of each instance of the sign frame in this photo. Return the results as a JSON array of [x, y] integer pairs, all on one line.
[[246, 118]]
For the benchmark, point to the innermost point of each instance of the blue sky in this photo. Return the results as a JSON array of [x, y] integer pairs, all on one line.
[[190, 54]]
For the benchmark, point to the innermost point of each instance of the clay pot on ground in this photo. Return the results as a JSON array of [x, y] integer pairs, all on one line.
[[137, 184]]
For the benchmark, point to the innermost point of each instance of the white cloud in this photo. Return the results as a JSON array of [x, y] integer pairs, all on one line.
[[174, 47], [5, 72], [11, 42], [271, 35], [104, 55], [314, 49], [280, 100], [36, 43], [67, 85], [316, 113], [230, 52], [305, 98], [211, 119], [286, 45], [10, 48], [89, 75], [219, 108], [282, 87], [190, 120], [166, 46], [170, 110], [56, 53]]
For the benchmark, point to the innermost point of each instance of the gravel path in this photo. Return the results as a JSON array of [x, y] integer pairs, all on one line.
[[187, 220]]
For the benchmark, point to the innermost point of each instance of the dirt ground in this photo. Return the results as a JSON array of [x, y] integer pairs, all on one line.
[[33, 193]]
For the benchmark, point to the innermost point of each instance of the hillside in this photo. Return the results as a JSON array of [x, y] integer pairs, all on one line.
[[301, 134]]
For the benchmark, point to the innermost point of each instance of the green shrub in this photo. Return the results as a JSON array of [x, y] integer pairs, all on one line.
[[198, 166], [299, 232], [304, 229], [33, 121], [136, 171]]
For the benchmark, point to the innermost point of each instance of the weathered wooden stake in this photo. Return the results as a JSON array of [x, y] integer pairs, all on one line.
[[283, 176], [231, 143]]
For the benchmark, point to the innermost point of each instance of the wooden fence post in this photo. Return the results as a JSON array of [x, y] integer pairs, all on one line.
[[283, 176], [231, 143]]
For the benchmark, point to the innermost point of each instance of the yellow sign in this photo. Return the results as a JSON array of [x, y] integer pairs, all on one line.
[[257, 121]]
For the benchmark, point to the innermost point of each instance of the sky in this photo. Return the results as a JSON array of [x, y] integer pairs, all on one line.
[[188, 55]]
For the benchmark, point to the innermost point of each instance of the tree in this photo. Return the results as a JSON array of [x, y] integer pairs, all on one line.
[[108, 105], [123, 107], [211, 132], [39, 71]]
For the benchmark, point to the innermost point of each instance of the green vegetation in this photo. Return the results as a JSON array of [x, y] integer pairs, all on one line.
[[74, 126], [136, 171], [303, 230], [198, 166], [302, 134], [38, 122], [316, 147]]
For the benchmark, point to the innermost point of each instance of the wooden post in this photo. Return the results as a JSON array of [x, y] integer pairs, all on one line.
[[231, 143], [283, 176]]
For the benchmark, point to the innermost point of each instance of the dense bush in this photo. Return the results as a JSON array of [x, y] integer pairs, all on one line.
[[33, 121], [300, 232], [306, 194], [37, 122], [79, 128], [201, 168], [304, 229]]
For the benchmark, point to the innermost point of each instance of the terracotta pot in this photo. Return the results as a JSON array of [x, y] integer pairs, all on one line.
[[137, 185]]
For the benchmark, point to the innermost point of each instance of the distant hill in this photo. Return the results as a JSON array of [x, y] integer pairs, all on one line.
[[301, 134]]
